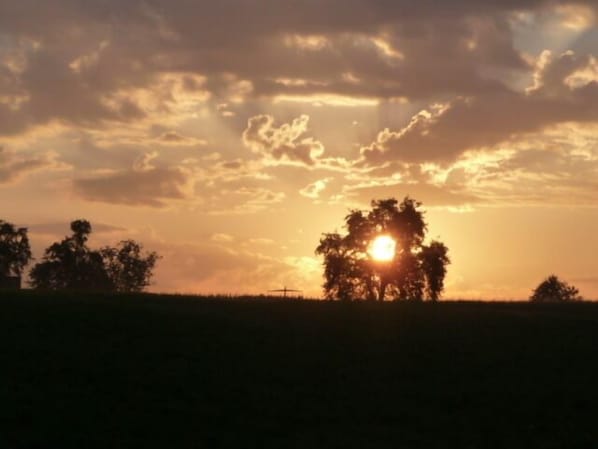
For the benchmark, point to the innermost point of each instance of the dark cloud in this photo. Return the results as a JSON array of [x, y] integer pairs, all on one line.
[[152, 187], [232, 165], [75, 61], [49, 87], [444, 133], [177, 139], [14, 166], [58, 229], [172, 136]]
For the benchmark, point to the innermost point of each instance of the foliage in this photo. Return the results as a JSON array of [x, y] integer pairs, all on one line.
[[351, 273], [552, 289], [434, 260], [127, 267], [15, 252], [72, 265]]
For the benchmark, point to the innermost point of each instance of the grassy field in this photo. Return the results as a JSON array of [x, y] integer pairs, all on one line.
[[178, 372]]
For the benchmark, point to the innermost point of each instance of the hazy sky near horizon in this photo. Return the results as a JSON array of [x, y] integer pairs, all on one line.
[[228, 135]]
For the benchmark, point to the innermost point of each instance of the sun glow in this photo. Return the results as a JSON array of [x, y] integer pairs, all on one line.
[[382, 248]]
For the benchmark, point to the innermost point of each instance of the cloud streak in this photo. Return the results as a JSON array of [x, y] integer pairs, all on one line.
[[14, 166]]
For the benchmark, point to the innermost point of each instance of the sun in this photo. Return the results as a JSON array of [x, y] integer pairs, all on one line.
[[382, 248]]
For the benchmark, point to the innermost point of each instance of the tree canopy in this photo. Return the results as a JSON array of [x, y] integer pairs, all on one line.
[[352, 272], [552, 289], [15, 251], [71, 265], [127, 267]]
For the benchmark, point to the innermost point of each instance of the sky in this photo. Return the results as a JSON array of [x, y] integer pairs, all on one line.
[[229, 135]]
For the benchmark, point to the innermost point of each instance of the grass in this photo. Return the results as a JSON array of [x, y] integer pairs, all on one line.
[[93, 371]]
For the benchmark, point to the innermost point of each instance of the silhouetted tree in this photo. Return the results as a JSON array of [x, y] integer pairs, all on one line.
[[351, 273], [71, 265], [128, 268], [552, 289], [15, 252], [434, 259]]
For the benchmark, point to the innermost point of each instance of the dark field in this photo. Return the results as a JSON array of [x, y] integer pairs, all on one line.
[[169, 372]]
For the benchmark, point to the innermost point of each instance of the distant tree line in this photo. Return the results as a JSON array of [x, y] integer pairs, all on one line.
[[72, 265], [416, 270]]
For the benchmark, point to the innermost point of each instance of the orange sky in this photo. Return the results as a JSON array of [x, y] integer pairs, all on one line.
[[229, 135]]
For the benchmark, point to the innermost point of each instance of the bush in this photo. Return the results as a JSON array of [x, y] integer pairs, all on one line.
[[552, 289]]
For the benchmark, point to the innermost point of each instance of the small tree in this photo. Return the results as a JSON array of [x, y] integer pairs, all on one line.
[[552, 289], [15, 252], [128, 268]]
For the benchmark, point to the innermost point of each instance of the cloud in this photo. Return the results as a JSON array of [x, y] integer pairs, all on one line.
[[222, 238], [428, 194], [217, 187], [153, 187], [59, 229], [243, 200], [558, 166], [283, 143], [314, 189], [174, 138], [14, 166], [261, 241], [445, 131], [233, 165], [87, 65]]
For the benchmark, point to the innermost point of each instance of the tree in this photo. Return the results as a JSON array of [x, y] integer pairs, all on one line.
[[552, 289], [71, 264], [15, 252], [352, 272], [128, 268]]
